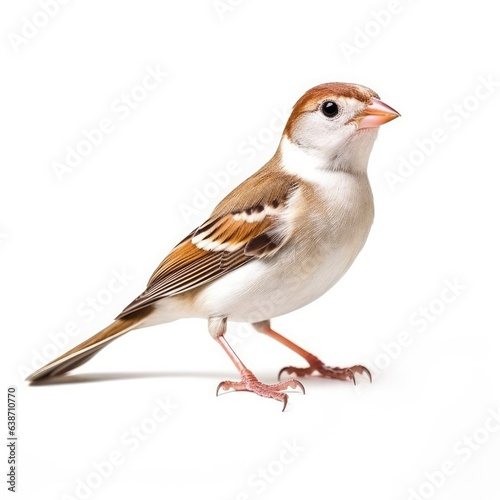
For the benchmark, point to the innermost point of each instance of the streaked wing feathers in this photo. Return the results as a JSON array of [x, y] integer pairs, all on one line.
[[223, 243]]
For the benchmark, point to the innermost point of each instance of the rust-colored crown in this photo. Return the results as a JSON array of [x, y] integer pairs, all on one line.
[[313, 97]]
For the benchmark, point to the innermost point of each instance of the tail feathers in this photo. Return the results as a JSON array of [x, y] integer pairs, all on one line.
[[90, 347]]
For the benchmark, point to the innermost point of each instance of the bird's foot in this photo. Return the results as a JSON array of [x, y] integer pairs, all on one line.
[[250, 383], [317, 366]]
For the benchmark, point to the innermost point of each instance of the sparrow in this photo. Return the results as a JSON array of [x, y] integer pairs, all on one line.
[[277, 242]]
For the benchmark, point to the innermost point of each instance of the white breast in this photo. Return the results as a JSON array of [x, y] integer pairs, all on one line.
[[323, 246]]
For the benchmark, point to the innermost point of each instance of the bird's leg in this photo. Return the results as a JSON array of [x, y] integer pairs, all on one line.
[[315, 364], [249, 381]]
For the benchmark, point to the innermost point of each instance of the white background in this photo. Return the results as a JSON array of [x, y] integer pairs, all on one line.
[[120, 210]]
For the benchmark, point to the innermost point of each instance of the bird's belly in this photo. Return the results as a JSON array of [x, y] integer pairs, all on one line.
[[264, 289]]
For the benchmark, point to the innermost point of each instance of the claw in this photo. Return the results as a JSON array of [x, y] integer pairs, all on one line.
[[300, 385], [218, 388], [327, 372], [293, 384], [368, 373], [361, 370], [249, 383], [285, 401], [285, 369]]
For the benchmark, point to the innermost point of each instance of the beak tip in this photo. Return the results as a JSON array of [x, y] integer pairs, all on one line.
[[377, 113]]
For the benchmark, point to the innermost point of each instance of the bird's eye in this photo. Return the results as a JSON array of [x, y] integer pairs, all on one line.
[[329, 109]]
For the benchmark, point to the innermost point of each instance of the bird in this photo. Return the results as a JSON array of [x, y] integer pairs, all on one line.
[[275, 243]]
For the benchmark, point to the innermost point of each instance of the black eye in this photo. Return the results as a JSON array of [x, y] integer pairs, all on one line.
[[329, 109]]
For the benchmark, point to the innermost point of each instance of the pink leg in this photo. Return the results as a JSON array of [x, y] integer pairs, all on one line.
[[315, 364], [250, 383]]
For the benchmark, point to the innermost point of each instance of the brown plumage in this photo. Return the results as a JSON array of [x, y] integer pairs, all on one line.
[[84, 351], [278, 241], [226, 241]]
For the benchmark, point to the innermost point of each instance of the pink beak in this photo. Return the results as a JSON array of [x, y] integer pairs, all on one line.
[[375, 114]]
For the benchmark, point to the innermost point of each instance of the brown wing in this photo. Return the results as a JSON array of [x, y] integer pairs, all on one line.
[[239, 230]]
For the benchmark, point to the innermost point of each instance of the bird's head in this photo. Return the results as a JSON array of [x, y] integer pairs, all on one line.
[[334, 125]]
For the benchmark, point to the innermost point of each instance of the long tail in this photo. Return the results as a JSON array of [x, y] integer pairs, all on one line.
[[84, 351]]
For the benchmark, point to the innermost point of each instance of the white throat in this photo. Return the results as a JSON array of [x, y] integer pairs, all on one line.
[[300, 162], [311, 165]]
